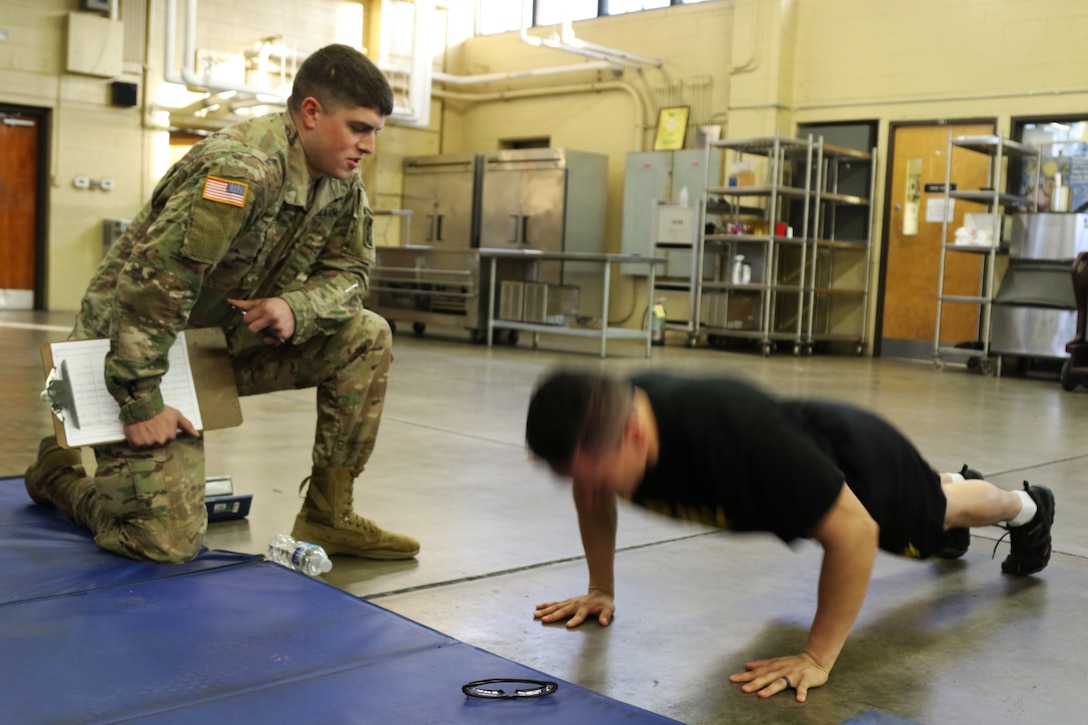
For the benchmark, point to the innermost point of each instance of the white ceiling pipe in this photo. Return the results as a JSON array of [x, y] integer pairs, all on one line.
[[600, 53], [497, 96], [568, 37], [168, 72], [533, 73], [419, 79], [192, 80]]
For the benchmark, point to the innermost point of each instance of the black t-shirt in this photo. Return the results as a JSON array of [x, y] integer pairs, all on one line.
[[732, 457]]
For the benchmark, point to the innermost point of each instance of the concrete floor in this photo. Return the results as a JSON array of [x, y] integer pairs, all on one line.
[[936, 643]]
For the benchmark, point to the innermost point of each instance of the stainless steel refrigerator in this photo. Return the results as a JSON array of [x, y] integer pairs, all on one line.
[[443, 193], [547, 199]]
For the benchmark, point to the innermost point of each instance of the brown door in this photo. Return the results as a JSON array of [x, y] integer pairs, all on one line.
[[19, 138], [912, 251]]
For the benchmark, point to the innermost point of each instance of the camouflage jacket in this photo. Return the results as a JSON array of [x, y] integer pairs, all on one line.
[[235, 217]]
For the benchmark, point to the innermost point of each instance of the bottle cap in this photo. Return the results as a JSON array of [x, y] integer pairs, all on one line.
[[325, 566]]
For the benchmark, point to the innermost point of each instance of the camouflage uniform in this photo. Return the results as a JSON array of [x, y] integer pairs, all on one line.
[[236, 217]]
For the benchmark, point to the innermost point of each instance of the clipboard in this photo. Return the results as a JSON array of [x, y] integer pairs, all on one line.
[[200, 383]]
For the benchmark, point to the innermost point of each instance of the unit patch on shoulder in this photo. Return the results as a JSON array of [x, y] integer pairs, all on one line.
[[224, 191]]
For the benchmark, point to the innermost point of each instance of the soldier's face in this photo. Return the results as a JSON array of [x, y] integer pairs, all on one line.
[[618, 471], [336, 143]]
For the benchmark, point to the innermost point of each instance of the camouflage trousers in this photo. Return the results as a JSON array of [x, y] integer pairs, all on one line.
[[149, 503]]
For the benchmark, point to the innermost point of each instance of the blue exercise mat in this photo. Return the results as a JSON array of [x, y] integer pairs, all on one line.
[[91, 637], [46, 555], [875, 717]]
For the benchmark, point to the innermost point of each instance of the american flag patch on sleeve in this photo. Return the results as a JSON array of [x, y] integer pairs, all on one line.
[[225, 192]]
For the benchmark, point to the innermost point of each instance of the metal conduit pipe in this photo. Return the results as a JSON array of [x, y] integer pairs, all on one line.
[[191, 79], [640, 107], [566, 34], [602, 53], [533, 73], [752, 63]]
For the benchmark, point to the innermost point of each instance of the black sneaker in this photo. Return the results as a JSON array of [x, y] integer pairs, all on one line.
[[956, 541], [1030, 543]]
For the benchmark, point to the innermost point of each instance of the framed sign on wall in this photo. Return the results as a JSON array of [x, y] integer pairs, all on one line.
[[672, 127]]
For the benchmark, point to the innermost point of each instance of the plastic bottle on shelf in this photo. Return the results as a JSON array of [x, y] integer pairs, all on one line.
[[657, 323], [684, 197], [742, 272], [299, 555]]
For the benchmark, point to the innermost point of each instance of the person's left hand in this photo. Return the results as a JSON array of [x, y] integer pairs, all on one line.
[[269, 317], [768, 677], [160, 430]]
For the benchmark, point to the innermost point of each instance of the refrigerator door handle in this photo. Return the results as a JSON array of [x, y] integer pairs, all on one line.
[[525, 229], [438, 227], [515, 229], [430, 227]]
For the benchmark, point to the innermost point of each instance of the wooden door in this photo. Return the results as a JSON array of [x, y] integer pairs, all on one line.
[[912, 251], [19, 139]]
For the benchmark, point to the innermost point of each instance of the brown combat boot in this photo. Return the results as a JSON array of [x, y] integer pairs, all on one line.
[[57, 470], [328, 519]]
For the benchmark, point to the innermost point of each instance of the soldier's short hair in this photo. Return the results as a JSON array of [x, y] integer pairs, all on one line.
[[573, 411], [340, 76]]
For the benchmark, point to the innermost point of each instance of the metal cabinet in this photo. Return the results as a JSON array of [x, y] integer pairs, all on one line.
[[442, 192], [658, 177], [676, 234], [551, 200]]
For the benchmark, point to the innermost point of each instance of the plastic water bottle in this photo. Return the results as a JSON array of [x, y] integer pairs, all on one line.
[[657, 323], [299, 555], [742, 271]]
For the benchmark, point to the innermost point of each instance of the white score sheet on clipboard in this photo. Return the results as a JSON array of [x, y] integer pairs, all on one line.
[[85, 362]]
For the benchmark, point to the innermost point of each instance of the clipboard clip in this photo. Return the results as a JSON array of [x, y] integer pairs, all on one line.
[[58, 393]]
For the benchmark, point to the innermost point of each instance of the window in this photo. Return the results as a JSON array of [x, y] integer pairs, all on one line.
[[500, 16], [349, 25], [1063, 161], [497, 16], [554, 12], [618, 7]]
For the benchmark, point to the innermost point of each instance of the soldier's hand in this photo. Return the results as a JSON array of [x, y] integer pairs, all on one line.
[[576, 610], [159, 430], [269, 317]]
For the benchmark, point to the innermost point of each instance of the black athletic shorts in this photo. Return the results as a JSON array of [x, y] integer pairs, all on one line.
[[885, 471]]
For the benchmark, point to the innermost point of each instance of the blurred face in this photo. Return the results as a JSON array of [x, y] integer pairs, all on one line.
[[336, 143], [618, 471]]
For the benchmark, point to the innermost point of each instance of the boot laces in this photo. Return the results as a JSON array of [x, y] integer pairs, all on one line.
[[360, 523]]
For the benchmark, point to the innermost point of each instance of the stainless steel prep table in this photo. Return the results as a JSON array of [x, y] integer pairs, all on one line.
[[532, 258]]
